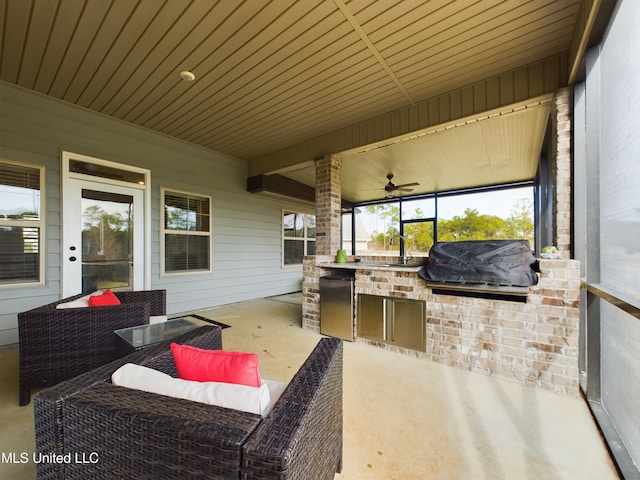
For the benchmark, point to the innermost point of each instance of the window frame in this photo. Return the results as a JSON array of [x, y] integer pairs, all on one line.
[[404, 223], [435, 218], [164, 232], [305, 238], [40, 224]]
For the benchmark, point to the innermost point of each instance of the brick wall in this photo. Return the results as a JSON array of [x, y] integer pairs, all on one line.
[[311, 290], [562, 169], [328, 205], [533, 343]]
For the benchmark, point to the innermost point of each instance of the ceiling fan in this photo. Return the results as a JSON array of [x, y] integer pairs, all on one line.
[[390, 188]]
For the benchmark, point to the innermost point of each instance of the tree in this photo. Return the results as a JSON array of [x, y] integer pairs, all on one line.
[[471, 226], [104, 235], [389, 213], [419, 236], [519, 224]]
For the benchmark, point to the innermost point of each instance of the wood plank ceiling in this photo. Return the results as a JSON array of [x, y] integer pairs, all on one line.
[[269, 74]]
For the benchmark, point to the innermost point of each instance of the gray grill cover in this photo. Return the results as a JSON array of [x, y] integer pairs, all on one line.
[[488, 262]]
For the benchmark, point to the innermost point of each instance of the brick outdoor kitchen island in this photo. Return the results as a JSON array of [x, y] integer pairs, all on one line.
[[532, 342]]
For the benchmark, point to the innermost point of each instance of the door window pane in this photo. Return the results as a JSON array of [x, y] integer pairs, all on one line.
[[107, 239], [105, 171]]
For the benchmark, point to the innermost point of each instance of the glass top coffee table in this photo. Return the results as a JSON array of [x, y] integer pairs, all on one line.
[[142, 336]]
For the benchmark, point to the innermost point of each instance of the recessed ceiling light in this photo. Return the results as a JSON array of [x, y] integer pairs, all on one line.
[[187, 75]]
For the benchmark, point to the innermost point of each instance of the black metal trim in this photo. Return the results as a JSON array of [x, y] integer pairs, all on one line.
[[623, 462], [623, 302], [208, 320], [509, 293]]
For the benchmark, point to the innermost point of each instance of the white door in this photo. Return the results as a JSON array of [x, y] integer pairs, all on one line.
[[103, 237]]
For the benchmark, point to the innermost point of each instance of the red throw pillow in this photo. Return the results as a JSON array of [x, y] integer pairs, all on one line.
[[216, 365], [104, 300]]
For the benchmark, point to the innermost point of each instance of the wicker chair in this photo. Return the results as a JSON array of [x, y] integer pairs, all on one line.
[[58, 344], [138, 435]]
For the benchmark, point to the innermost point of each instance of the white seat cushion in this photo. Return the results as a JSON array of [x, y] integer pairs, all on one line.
[[239, 397], [79, 302]]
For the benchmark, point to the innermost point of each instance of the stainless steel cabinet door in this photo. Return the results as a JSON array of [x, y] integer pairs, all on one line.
[[371, 317], [406, 328], [336, 307]]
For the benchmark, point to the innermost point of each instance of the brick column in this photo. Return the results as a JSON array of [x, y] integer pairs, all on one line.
[[562, 170], [328, 205]]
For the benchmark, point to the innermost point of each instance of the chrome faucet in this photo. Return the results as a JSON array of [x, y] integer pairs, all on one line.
[[406, 255]]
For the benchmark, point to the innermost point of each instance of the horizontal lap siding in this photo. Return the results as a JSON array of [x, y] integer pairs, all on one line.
[[246, 257], [246, 228]]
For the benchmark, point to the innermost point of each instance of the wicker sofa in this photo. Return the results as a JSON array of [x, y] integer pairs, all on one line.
[[138, 435], [58, 344]]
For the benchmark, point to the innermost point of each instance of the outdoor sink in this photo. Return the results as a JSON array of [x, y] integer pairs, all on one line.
[[392, 265], [382, 265]]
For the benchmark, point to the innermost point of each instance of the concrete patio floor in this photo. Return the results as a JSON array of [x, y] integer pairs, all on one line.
[[404, 418], [407, 418]]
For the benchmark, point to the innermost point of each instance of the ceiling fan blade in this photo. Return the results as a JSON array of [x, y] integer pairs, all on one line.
[[403, 189], [413, 184]]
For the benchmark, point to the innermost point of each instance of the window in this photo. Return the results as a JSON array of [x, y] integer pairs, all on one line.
[[21, 224], [186, 232], [498, 213], [503, 213], [419, 237], [375, 226], [298, 237], [418, 225]]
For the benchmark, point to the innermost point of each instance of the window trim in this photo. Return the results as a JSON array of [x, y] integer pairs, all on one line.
[[40, 224], [305, 238], [164, 231]]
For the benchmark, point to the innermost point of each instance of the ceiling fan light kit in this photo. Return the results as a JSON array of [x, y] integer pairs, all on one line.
[[390, 188]]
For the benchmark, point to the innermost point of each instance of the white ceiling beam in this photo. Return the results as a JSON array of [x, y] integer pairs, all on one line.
[[374, 51]]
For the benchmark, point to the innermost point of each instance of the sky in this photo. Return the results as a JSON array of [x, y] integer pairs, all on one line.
[[14, 200], [497, 203]]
